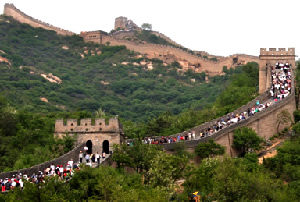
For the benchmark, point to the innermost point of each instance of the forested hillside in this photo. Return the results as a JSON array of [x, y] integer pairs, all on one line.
[[90, 76]]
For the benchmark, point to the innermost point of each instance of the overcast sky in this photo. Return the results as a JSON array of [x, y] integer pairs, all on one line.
[[220, 27]]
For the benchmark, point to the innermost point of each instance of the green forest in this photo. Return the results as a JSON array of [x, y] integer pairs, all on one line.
[[157, 102], [215, 178], [96, 81]]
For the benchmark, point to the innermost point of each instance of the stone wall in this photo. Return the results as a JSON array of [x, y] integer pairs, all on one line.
[[86, 126], [162, 51], [98, 139], [11, 10], [97, 132], [123, 34], [62, 160], [264, 123], [120, 22], [168, 39]]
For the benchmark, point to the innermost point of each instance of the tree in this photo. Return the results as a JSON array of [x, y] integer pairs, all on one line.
[[165, 169], [245, 139], [100, 113], [146, 26], [283, 117], [206, 149], [121, 156], [233, 181]]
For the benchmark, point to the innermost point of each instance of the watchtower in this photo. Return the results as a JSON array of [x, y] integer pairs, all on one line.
[[267, 59], [98, 136], [120, 22]]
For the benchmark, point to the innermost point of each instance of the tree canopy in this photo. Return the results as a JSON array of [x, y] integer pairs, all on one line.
[[210, 148], [246, 139], [147, 26]]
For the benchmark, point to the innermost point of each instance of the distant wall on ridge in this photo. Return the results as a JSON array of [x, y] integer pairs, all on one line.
[[11, 10]]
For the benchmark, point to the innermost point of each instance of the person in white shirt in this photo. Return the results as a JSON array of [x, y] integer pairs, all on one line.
[[71, 163], [98, 158]]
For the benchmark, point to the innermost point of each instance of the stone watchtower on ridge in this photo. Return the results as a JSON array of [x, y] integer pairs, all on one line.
[[268, 58], [120, 22], [98, 136], [124, 24]]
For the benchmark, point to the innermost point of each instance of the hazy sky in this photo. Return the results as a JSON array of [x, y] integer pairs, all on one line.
[[220, 27]]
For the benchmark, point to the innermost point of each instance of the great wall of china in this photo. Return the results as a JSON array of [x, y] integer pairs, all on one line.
[[264, 123], [165, 53], [11, 10]]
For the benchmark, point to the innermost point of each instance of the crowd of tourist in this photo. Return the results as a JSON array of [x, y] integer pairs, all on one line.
[[281, 81], [280, 88], [91, 158], [64, 173], [17, 181], [219, 125]]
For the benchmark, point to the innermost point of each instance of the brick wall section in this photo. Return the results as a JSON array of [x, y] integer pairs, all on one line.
[[161, 51], [97, 132], [11, 10], [123, 34], [264, 123], [62, 160], [113, 125], [262, 98], [168, 39]]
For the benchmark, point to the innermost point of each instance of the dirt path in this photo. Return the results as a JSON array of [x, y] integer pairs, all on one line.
[[271, 151]]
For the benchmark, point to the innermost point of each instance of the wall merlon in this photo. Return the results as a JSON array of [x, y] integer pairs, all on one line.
[[87, 126], [71, 122], [280, 51], [85, 122]]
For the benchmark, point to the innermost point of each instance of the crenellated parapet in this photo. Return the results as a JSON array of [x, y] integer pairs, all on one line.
[[87, 126], [277, 52]]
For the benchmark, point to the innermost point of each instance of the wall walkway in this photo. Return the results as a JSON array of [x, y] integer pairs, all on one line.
[[62, 160], [264, 123]]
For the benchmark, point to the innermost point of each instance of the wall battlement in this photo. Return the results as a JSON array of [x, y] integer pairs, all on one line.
[[274, 51], [87, 126], [11, 10]]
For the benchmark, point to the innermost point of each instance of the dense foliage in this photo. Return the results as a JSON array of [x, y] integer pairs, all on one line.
[[215, 179], [210, 148], [27, 138], [133, 92], [104, 184], [241, 89], [96, 81], [246, 140]]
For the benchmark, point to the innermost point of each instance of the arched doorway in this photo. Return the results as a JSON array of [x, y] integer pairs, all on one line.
[[105, 146], [89, 145]]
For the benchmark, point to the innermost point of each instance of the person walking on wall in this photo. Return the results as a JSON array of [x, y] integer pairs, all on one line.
[[98, 158], [87, 158], [80, 157]]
